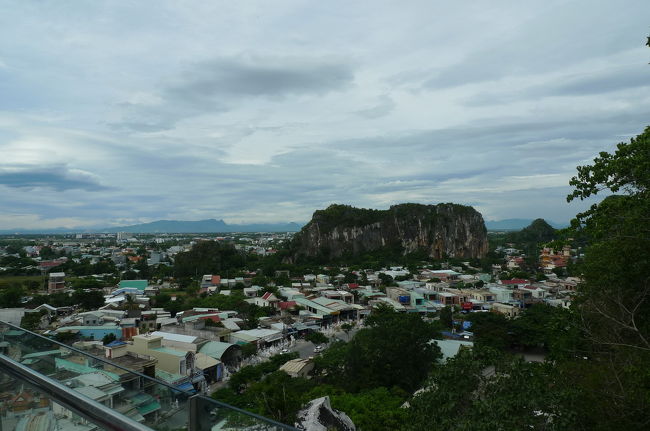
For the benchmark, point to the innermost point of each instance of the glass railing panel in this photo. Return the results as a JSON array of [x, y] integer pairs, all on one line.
[[25, 407], [145, 400], [210, 415], [156, 404]]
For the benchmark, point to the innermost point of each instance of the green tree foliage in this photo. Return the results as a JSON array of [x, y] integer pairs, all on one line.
[[87, 283], [394, 350], [279, 396], [491, 330], [539, 231], [85, 267], [316, 337], [90, 300], [386, 279], [614, 299], [108, 338], [447, 317], [10, 297], [371, 410], [486, 391], [32, 321], [248, 350], [208, 257], [240, 380], [65, 337]]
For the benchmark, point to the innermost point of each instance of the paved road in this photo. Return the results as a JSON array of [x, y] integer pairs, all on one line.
[[304, 348]]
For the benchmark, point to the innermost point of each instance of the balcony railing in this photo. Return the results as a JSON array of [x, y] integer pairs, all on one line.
[[46, 384]]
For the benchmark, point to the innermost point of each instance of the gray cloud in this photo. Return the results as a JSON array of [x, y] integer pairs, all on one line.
[[385, 106], [260, 76], [360, 116], [55, 177], [551, 38], [215, 86], [583, 84]]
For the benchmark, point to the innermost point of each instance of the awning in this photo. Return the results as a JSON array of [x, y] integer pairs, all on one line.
[[199, 378], [185, 387], [148, 408]]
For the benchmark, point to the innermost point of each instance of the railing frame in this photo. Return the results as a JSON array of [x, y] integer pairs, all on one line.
[[72, 400], [193, 423]]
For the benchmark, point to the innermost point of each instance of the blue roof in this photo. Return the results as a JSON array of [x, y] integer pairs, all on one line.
[[116, 343], [185, 387]]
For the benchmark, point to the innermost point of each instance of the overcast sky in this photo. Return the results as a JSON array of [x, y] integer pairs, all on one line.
[[118, 112]]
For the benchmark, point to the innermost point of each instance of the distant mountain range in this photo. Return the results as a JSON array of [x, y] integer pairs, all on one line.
[[172, 226], [517, 224], [220, 226]]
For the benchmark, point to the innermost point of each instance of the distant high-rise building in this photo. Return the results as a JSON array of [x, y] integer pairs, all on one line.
[[121, 236]]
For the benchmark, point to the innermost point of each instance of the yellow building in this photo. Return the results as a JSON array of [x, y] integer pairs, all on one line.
[[169, 359]]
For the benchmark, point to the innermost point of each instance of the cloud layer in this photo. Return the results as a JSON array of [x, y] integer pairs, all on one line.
[[121, 113]]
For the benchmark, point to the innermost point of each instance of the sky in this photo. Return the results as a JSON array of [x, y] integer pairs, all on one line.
[[116, 113]]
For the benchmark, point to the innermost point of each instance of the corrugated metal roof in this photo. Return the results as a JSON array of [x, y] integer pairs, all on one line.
[[204, 361], [215, 349], [175, 337], [295, 365], [170, 351]]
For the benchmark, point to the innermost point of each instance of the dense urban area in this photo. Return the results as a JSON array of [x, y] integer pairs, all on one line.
[[547, 329]]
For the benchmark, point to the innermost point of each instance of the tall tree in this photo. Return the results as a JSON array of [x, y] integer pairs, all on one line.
[[614, 299]]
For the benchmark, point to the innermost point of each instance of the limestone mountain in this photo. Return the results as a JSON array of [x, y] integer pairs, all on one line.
[[539, 231], [439, 230]]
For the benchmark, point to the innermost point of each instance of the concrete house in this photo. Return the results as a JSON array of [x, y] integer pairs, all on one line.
[[169, 359], [56, 282]]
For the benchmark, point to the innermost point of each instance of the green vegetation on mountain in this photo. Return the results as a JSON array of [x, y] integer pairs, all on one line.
[[342, 232], [539, 231]]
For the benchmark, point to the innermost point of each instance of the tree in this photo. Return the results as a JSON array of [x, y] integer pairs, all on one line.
[[88, 300], [491, 330], [614, 299], [108, 338], [373, 410], [280, 396], [386, 279], [208, 257], [347, 327], [65, 337], [394, 350], [515, 396], [32, 321], [446, 317], [248, 350], [10, 297], [316, 337]]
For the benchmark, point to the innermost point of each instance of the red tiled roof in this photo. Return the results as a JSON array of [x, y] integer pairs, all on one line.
[[216, 279], [267, 295], [514, 281], [286, 304]]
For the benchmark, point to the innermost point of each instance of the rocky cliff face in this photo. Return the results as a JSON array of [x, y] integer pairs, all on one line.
[[439, 230]]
